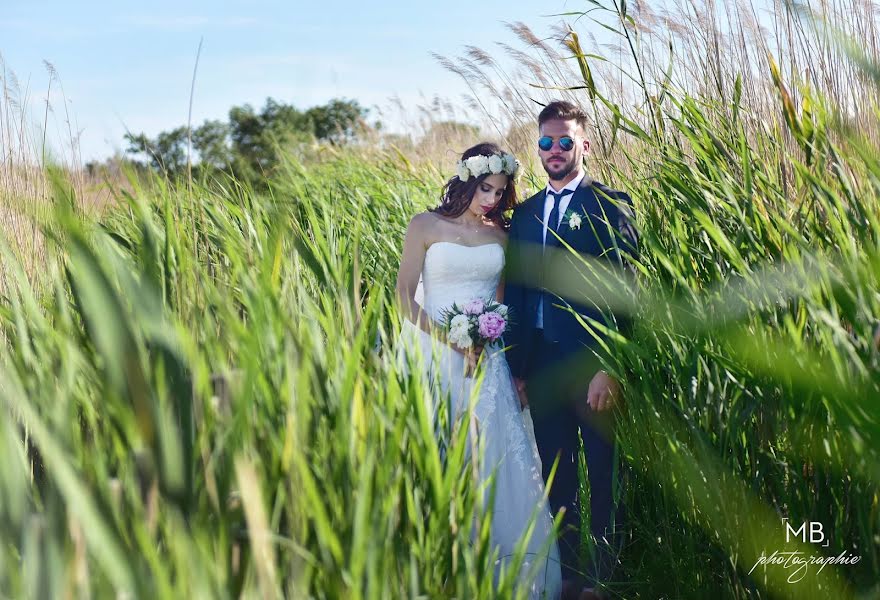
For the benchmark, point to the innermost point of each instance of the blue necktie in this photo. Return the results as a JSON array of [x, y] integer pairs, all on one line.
[[553, 221]]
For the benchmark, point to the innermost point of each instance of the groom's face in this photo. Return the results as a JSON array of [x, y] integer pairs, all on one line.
[[560, 163]]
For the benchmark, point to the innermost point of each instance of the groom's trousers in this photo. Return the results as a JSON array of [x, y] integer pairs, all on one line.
[[557, 391]]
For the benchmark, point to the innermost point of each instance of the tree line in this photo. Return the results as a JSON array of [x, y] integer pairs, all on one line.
[[247, 145]]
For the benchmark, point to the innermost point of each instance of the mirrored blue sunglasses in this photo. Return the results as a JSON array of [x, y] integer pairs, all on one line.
[[545, 143]]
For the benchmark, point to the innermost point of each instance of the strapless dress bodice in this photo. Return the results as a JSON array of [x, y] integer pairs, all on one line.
[[454, 273]]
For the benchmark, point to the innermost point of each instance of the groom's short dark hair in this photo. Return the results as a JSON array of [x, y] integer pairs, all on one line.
[[563, 110]]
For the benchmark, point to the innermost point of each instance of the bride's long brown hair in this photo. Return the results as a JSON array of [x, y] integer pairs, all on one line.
[[457, 194]]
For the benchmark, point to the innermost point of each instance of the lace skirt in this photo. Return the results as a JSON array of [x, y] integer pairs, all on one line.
[[507, 450]]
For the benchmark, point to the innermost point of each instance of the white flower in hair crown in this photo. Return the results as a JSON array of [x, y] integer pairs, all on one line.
[[482, 164]]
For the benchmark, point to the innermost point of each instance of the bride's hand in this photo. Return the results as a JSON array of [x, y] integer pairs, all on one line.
[[471, 359]]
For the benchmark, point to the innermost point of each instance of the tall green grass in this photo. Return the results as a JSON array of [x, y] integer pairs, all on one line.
[[750, 150], [200, 408], [198, 404], [203, 395]]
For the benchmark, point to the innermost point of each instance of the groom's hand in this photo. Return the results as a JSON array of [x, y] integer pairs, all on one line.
[[603, 392]]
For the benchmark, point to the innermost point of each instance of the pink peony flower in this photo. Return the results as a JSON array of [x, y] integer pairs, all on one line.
[[491, 325], [474, 307]]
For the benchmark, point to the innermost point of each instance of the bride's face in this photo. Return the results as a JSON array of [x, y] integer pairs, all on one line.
[[488, 194]]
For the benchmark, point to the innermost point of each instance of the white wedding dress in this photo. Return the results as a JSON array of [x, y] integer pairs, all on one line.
[[457, 273]]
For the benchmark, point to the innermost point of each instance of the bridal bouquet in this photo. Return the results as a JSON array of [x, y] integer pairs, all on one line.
[[475, 323]]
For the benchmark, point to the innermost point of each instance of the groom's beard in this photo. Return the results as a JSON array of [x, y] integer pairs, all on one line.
[[564, 171]]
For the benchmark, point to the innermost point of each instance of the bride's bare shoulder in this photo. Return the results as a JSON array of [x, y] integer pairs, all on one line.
[[423, 218], [424, 227], [422, 222]]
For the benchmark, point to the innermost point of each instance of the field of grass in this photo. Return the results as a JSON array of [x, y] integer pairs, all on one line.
[[202, 397]]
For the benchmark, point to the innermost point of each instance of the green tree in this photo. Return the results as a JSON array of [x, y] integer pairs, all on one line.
[[338, 120], [211, 141], [256, 137], [248, 144], [166, 153]]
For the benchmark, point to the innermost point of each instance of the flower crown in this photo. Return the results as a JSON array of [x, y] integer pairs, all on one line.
[[482, 164]]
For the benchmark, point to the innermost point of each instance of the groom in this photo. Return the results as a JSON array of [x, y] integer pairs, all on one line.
[[553, 356]]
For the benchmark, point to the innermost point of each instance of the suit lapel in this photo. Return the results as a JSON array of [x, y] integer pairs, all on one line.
[[583, 203], [536, 215]]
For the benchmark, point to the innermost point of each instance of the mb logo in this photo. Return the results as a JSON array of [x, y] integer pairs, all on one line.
[[809, 531]]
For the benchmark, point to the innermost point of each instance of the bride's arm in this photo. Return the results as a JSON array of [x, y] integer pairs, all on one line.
[[411, 262], [519, 384]]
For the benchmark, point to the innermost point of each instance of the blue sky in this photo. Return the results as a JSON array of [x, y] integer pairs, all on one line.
[[125, 64]]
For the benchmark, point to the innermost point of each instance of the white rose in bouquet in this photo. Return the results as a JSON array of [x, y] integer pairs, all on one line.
[[496, 165], [459, 332], [460, 339], [459, 322]]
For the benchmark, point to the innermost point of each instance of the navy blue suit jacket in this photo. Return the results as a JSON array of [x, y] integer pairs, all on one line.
[[606, 232]]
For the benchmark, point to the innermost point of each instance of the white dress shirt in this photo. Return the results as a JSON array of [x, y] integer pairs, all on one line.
[[548, 208], [563, 202]]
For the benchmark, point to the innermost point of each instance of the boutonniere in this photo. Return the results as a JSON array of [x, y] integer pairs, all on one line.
[[572, 219]]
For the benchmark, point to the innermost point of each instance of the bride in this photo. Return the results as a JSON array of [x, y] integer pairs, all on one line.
[[457, 249]]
